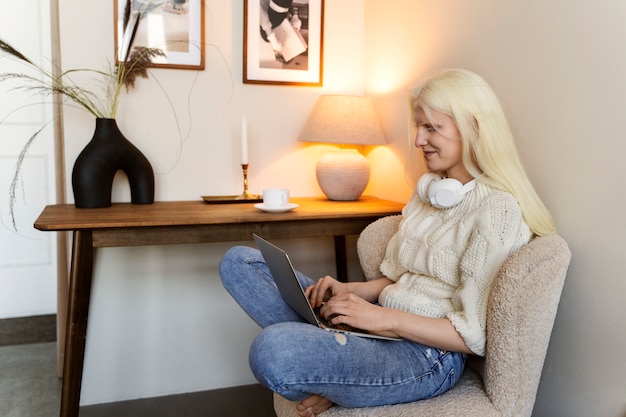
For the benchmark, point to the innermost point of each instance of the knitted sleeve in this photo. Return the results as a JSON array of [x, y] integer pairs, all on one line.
[[496, 234]]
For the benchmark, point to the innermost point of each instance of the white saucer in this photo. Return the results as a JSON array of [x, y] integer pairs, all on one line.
[[281, 209]]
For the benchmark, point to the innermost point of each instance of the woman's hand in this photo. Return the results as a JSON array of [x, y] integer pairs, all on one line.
[[351, 303], [324, 289], [354, 311]]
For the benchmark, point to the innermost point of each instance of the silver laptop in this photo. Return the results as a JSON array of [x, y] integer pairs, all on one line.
[[292, 292]]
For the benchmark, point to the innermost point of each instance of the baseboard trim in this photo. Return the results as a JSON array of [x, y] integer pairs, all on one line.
[[248, 400], [24, 330]]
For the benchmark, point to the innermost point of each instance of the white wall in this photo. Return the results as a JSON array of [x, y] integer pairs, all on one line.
[[160, 321], [558, 68]]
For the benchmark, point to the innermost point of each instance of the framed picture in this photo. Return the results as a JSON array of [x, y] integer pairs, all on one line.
[[174, 26], [283, 42]]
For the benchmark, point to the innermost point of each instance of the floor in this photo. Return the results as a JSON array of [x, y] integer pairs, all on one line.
[[29, 387]]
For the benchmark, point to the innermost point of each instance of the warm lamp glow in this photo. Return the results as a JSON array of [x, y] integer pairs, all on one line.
[[343, 174]]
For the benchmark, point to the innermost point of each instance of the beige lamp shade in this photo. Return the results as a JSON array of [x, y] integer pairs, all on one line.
[[343, 120], [343, 174]]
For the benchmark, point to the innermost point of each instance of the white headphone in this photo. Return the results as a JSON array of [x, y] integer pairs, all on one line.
[[442, 192]]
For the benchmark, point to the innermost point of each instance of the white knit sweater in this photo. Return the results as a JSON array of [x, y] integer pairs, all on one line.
[[444, 260]]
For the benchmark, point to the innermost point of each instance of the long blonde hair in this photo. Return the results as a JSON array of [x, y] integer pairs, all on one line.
[[489, 151]]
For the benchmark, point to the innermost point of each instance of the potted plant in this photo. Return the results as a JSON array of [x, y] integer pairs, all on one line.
[[132, 63]]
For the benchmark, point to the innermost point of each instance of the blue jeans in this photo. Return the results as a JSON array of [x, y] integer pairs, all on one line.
[[296, 359]]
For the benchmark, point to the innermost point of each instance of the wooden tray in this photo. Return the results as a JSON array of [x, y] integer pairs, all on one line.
[[231, 199]]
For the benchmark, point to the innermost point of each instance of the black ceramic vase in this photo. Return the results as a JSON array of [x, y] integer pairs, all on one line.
[[106, 153]]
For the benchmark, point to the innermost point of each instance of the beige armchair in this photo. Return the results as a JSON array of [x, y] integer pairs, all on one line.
[[522, 308]]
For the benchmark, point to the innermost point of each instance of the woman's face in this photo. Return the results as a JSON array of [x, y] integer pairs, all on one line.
[[440, 141]]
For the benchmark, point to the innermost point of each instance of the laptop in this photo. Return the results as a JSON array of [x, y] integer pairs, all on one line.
[[292, 292]]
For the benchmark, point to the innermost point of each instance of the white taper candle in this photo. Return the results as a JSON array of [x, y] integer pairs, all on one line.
[[244, 141]]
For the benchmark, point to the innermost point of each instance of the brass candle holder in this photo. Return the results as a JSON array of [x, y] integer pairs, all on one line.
[[246, 194]]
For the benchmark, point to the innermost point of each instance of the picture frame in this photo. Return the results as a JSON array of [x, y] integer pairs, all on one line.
[[174, 26], [293, 53]]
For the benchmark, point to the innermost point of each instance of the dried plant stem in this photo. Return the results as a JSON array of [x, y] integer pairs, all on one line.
[[17, 174]]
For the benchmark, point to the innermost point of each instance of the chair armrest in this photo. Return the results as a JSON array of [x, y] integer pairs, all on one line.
[[372, 243], [522, 308]]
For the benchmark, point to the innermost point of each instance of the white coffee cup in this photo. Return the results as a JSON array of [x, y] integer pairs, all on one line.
[[275, 197]]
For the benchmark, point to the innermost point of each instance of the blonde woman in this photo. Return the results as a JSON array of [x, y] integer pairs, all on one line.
[[472, 209]]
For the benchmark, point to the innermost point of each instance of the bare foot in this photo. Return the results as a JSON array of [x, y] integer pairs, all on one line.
[[313, 406]]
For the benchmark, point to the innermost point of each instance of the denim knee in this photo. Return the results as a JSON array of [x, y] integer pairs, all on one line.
[[273, 356], [236, 255], [234, 259], [266, 356]]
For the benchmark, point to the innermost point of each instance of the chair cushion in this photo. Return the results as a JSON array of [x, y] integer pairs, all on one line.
[[466, 398]]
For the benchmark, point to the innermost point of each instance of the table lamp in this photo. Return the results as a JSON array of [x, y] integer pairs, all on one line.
[[343, 174]]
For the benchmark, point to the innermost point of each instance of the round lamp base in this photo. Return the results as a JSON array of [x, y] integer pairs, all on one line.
[[343, 174]]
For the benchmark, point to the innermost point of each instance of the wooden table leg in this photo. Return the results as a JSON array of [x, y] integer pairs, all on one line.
[[341, 261], [76, 328]]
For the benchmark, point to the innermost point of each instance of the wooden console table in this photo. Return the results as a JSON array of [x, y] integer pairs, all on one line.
[[181, 222]]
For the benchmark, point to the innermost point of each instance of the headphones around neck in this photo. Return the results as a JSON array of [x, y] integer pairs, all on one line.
[[442, 193]]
